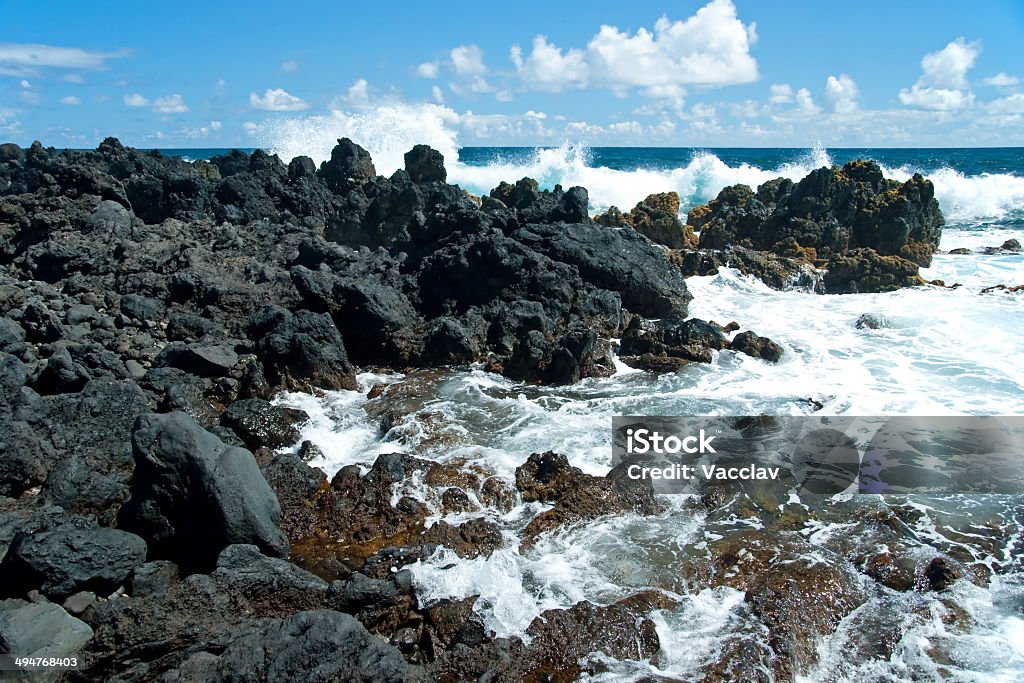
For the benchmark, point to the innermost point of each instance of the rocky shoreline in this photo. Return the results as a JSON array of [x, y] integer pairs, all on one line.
[[152, 308]]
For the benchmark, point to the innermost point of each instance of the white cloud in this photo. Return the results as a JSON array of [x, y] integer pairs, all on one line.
[[703, 111], [171, 104], [841, 93], [136, 100], [781, 93], [25, 59], [427, 70], [548, 69], [1011, 104], [468, 60], [77, 79], [943, 83], [805, 102], [70, 99], [25, 84], [1002, 80], [215, 125], [290, 66], [437, 94], [710, 48], [250, 127], [358, 93], [276, 99]]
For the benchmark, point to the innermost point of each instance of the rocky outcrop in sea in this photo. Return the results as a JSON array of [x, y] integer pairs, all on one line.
[[152, 308]]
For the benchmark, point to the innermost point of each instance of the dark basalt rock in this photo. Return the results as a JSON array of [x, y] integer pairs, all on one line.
[[349, 166], [66, 560], [301, 350], [319, 645], [828, 213], [757, 347], [865, 270], [534, 205], [261, 424], [425, 165], [578, 497], [193, 496], [657, 218]]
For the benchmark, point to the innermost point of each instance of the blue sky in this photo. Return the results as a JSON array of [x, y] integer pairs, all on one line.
[[711, 73]]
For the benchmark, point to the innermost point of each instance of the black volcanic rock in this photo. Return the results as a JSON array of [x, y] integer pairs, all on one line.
[[425, 165], [66, 560], [193, 496], [832, 213], [349, 166]]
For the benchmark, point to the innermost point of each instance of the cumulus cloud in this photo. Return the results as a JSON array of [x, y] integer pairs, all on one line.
[[70, 99], [710, 48], [547, 68], [467, 62], [21, 59], [437, 94], [171, 104], [136, 100], [943, 83], [428, 70], [358, 93], [805, 102], [841, 93], [276, 99]]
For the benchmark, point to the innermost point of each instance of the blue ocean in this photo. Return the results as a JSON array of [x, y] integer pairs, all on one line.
[[937, 351]]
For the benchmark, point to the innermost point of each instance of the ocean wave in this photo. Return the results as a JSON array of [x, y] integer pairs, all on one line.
[[387, 131]]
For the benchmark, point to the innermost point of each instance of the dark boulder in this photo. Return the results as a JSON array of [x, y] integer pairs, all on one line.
[[61, 375], [293, 480], [827, 213], [66, 560], [319, 645], [202, 360], [301, 350], [261, 424], [425, 165], [757, 347], [865, 271], [26, 458], [349, 166], [193, 496], [615, 260]]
